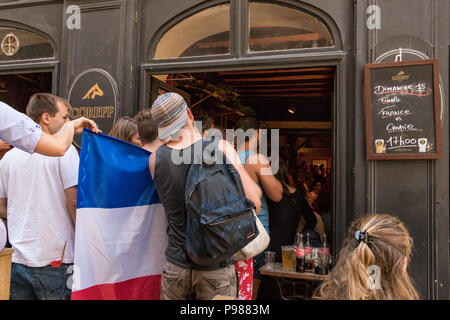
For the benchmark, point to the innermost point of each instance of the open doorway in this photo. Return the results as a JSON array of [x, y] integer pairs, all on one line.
[[297, 101], [16, 89]]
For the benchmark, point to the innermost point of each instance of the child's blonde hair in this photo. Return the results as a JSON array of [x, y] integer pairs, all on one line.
[[387, 249]]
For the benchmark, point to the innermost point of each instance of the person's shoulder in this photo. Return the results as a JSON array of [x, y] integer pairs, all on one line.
[[223, 145], [4, 106], [257, 159], [14, 160], [13, 154], [70, 153], [69, 161], [72, 149]]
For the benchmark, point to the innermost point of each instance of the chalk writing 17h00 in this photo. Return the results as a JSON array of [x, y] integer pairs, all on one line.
[[399, 141]]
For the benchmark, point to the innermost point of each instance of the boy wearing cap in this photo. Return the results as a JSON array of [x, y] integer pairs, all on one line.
[[182, 279]]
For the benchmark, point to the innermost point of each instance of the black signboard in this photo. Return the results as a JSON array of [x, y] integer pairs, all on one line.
[[93, 94], [403, 110]]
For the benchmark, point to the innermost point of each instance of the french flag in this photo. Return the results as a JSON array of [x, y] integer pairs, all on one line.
[[120, 235]]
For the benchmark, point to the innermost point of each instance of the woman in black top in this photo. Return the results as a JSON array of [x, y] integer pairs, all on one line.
[[285, 215]]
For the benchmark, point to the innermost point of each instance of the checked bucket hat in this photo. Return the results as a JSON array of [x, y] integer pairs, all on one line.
[[169, 111]]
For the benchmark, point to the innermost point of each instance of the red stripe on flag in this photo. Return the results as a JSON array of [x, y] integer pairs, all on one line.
[[144, 288]]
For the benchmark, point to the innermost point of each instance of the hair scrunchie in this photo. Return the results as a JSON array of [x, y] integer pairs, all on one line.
[[362, 236]]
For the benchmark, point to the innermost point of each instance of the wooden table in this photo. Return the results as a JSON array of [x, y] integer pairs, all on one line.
[[289, 277], [5, 272], [279, 272]]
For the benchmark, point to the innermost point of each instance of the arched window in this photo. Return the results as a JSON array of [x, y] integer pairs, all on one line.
[[204, 33], [271, 27], [276, 27], [17, 44]]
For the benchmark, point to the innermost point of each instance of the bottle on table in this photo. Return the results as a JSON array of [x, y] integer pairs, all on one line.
[[296, 242], [325, 256], [300, 254], [330, 263], [317, 261]]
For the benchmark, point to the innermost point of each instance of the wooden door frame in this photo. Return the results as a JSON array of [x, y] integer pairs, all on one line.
[[20, 67]]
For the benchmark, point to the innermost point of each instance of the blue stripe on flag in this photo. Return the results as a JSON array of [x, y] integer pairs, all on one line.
[[113, 174]]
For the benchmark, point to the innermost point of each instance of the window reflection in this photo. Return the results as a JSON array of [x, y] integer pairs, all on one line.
[[204, 33], [275, 27], [17, 44]]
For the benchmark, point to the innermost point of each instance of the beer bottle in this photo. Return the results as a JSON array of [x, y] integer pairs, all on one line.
[[309, 267], [296, 242], [300, 254], [330, 263]]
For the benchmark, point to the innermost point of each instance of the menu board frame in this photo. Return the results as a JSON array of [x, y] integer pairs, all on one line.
[[436, 105]]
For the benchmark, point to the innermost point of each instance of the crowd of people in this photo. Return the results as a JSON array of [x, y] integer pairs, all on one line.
[[315, 183], [38, 198]]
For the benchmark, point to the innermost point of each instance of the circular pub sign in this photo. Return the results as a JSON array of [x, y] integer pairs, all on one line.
[[93, 95]]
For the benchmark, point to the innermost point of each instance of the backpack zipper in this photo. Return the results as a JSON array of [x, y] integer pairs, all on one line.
[[227, 220]]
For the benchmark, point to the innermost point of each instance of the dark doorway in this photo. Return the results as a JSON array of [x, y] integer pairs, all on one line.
[[299, 102], [16, 89]]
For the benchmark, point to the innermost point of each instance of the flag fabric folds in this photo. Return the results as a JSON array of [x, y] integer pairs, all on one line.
[[120, 235]]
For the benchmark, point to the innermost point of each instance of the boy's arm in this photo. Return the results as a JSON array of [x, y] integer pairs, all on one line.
[[56, 145], [71, 196], [3, 207], [259, 164]]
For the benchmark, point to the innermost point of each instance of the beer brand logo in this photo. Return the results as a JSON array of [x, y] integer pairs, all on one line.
[[400, 77], [93, 92]]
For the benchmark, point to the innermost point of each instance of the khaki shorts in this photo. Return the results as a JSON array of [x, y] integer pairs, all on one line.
[[176, 283]]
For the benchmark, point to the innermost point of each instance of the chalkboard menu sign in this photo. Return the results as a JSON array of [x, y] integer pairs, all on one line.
[[403, 110]]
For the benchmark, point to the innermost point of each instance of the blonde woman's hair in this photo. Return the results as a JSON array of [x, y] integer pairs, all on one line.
[[388, 245]]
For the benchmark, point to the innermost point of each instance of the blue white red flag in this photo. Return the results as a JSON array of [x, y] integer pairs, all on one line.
[[120, 235]]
